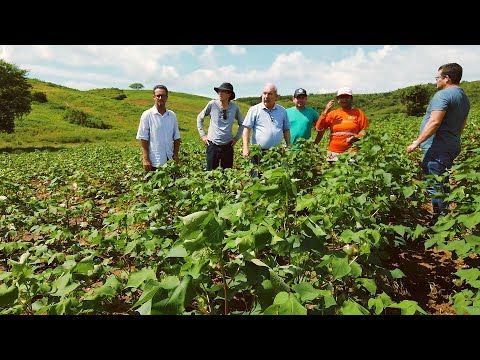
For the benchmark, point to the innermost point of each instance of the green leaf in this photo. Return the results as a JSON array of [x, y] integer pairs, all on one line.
[[350, 307], [177, 251], [368, 284], [340, 267], [408, 307], [397, 274], [176, 302], [305, 201], [8, 295], [83, 267], [137, 278], [277, 282], [306, 291], [259, 263], [469, 220], [408, 191], [150, 289], [285, 304]]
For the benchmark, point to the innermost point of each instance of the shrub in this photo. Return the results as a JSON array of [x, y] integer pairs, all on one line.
[[81, 118], [40, 97]]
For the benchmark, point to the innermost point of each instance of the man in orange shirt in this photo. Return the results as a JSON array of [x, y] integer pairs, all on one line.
[[346, 124]]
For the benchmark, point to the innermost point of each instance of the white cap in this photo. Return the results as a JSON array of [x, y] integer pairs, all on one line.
[[344, 91]]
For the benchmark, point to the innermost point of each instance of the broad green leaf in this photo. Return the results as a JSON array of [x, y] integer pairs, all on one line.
[[397, 274], [304, 202], [368, 284], [137, 278], [277, 282], [150, 289], [408, 307], [408, 191], [306, 291], [259, 263], [8, 295], [177, 251], [350, 307], [469, 220], [176, 302], [285, 304], [83, 267], [66, 290], [340, 267]]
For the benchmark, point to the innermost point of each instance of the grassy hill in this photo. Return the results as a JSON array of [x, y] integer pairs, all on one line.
[[45, 127]]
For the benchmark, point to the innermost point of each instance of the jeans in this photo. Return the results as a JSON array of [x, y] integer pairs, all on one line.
[[219, 155], [438, 164]]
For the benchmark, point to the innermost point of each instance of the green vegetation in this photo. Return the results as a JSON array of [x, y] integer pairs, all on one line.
[[15, 95], [120, 110], [416, 99], [83, 230]]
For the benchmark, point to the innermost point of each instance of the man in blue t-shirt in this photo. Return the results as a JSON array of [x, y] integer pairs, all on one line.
[[302, 118], [440, 133]]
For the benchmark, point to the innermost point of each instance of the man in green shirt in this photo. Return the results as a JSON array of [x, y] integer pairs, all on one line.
[[302, 118]]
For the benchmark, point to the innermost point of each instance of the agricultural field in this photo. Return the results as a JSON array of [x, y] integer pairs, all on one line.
[[84, 231]]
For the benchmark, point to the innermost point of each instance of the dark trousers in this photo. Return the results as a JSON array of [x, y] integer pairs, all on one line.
[[255, 159], [219, 155], [438, 164]]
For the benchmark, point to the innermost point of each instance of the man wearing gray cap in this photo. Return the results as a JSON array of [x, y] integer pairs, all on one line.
[[302, 118]]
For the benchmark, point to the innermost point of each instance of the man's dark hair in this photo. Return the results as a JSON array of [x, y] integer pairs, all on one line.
[[160, 87], [453, 70]]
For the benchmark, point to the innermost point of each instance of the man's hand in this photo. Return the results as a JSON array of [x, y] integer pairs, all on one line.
[[412, 146]]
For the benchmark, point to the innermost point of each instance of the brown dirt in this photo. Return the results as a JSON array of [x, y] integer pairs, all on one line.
[[429, 276]]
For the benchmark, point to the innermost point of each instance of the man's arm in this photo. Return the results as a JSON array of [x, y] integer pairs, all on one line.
[[176, 148], [147, 165], [245, 137], [431, 127], [286, 136]]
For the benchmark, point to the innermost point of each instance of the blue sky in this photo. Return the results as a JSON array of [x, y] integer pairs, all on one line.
[[196, 69]]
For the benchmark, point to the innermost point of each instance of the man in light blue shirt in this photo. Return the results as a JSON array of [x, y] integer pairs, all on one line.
[[220, 140], [266, 122], [158, 132], [440, 133]]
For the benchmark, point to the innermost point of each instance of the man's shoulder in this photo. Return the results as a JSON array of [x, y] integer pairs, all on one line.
[[148, 111], [255, 107], [170, 112], [311, 110]]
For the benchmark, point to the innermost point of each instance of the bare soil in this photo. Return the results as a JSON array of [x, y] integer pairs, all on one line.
[[429, 276]]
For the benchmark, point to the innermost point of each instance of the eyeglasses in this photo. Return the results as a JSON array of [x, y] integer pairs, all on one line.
[[441, 76], [224, 114], [161, 96]]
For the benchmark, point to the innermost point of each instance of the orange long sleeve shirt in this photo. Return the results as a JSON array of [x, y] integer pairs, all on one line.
[[342, 124]]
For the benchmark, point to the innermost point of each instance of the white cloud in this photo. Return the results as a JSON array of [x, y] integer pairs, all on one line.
[[196, 69], [236, 50]]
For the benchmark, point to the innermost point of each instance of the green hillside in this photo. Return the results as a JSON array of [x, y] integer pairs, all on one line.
[[46, 128]]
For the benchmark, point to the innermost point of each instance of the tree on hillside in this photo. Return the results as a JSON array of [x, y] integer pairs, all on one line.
[[15, 96], [136, 86], [416, 99]]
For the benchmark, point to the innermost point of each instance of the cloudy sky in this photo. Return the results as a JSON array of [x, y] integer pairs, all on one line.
[[196, 69]]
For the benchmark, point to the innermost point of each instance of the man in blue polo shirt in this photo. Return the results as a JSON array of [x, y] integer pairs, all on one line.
[[266, 122], [440, 133]]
